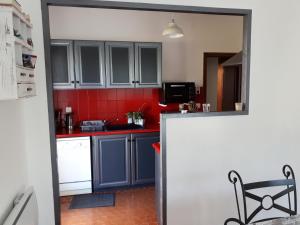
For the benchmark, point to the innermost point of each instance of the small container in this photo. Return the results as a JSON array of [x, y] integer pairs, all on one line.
[[129, 117], [140, 122], [206, 107], [181, 107], [184, 111], [238, 106]]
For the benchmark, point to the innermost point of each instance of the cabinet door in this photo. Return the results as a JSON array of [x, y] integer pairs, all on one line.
[[89, 61], [143, 158], [111, 161], [148, 64], [119, 64], [62, 64]]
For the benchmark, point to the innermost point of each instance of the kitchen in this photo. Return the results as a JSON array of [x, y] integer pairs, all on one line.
[[99, 90]]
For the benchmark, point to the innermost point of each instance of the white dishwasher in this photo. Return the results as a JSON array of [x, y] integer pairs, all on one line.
[[74, 165]]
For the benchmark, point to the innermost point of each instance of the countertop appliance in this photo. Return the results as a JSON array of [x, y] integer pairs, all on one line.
[[178, 92], [92, 125], [74, 165]]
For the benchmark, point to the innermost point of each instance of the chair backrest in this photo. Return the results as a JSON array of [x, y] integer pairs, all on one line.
[[266, 202]]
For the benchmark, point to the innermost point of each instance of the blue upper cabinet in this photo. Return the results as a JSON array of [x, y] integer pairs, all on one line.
[[148, 69], [119, 64], [100, 64], [89, 64], [62, 65]]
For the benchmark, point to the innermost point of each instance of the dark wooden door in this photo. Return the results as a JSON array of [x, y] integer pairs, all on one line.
[[213, 78], [231, 87]]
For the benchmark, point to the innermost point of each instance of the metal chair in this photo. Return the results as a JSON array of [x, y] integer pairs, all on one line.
[[289, 184]]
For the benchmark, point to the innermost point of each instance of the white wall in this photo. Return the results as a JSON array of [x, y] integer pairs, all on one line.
[[257, 145], [13, 174], [36, 129], [182, 58]]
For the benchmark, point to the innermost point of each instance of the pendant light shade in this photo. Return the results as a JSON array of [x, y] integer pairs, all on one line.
[[173, 30]]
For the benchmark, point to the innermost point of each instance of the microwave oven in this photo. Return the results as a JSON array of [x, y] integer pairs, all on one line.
[[178, 92]]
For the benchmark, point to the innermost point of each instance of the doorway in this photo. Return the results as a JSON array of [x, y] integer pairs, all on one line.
[[125, 6], [222, 80]]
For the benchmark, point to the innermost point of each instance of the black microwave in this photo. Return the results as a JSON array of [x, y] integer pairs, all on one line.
[[178, 92]]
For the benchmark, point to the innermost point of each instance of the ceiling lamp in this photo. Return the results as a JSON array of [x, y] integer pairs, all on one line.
[[173, 30]]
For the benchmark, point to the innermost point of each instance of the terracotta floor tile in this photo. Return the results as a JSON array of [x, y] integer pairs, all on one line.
[[132, 207]]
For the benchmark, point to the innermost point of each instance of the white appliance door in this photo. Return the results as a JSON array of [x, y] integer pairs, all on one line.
[[74, 164]]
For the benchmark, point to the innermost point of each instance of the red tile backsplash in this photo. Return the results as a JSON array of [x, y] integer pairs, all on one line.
[[108, 104]]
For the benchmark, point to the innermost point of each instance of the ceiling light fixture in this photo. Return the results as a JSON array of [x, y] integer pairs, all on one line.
[[173, 30]]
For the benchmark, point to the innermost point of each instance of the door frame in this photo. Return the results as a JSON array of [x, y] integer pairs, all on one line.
[[246, 13], [209, 55]]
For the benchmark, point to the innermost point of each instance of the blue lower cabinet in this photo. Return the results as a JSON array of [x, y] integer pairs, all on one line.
[[123, 160], [143, 158], [111, 161]]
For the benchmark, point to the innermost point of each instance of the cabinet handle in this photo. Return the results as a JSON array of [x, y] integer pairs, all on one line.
[[77, 82], [23, 74], [137, 82], [31, 75], [29, 89], [177, 85], [133, 82], [72, 81]]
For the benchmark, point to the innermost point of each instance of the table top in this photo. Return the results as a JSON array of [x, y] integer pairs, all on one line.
[[293, 220]]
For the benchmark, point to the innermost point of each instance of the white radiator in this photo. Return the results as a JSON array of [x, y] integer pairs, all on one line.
[[25, 210]]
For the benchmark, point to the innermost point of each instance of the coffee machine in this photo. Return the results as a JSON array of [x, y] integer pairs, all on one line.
[[69, 118]]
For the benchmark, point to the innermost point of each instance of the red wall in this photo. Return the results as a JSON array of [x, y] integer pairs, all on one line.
[[111, 103]]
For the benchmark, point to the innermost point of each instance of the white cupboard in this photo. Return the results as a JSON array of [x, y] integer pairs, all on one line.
[[16, 80]]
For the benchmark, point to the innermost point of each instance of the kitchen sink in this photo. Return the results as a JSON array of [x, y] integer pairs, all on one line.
[[122, 127]]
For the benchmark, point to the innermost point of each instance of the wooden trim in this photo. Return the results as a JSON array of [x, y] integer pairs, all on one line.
[[204, 85], [220, 88]]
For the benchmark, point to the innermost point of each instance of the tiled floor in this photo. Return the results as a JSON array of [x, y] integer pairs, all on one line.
[[132, 207]]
